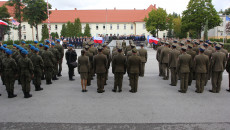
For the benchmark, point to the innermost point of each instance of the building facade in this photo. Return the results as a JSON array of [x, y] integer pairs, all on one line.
[[108, 21]]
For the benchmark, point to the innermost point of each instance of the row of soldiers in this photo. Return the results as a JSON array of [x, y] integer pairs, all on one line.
[[188, 61], [26, 63], [123, 59]]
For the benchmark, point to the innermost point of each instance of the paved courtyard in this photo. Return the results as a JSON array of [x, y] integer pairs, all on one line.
[[155, 102]]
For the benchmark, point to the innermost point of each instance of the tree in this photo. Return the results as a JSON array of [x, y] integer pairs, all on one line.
[[77, 27], [170, 25], [45, 32], [63, 30], [18, 5], [4, 15], [226, 11], [56, 35], [194, 18], [156, 21], [70, 29], [177, 27], [87, 31], [35, 12]]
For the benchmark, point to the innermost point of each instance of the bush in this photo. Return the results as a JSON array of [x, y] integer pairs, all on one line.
[[10, 42]]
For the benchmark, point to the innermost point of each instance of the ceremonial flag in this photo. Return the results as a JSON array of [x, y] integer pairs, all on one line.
[[3, 23], [98, 40], [152, 39], [15, 22], [227, 18]]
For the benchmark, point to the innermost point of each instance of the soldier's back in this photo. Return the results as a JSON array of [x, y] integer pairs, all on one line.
[[143, 54], [218, 61], [100, 62], [119, 63], [134, 64], [201, 63], [83, 62]]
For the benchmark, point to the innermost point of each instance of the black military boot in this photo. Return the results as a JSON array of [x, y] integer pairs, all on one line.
[[40, 88], [59, 74], [9, 94], [14, 95], [0, 94], [36, 88], [27, 95]]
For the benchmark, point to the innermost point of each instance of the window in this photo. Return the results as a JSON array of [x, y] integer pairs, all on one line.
[[143, 26], [49, 27], [117, 26], [56, 27], [97, 27], [103, 26], [24, 27], [111, 26], [164, 35], [124, 26], [24, 36], [131, 26]]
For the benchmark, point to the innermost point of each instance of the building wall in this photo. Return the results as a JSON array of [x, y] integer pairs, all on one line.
[[138, 28]]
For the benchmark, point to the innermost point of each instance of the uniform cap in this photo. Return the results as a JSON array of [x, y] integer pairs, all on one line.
[[205, 45], [174, 45], [53, 44], [21, 49], [70, 45], [32, 47], [47, 41], [221, 43], [14, 45], [46, 46], [36, 49], [134, 50], [142, 44], [86, 46], [25, 52], [166, 43], [119, 48], [100, 48], [35, 42], [23, 42], [104, 45], [201, 40], [17, 46], [4, 45], [188, 41], [184, 48], [182, 43], [174, 41], [41, 45], [218, 46], [210, 43], [58, 40], [202, 48], [190, 46], [1, 48], [214, 43], [9, 52], [196, 43]]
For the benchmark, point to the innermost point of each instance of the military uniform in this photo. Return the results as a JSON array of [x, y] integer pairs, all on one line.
[[201, 66], [83, 67], [124, 45], [144, 57], [90, 55], [134, 69], [158, 59], [100, 67], [183, 67], [57, 58], [193, 54], [118, 69], [71, 56], [107, 53], [164, 59], [61, 55]]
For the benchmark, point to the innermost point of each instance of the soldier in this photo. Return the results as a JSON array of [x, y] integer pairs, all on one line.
[[23, 45], [36, 44], [134, 70], [208, 53], [38, 68], [201, 66], [9, 67], [83, 69], [107, 53], [173, 57], [2, 60], [25, 67], [128, 48], [210, 47], [56, 60], [100, 67], [90, 55], [161, 46], [144, 57], [224, 50], [61, 53], [124, 44], [48, 60], [71, 56], [164, 59], [196, 48], [193, 54], [217, 66], [118, 69], [183, 67]]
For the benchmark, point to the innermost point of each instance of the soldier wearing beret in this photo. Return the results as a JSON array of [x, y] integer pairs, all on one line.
[[90, 55], [164, 59], [61, 55], [144, 57], [71, 56], [193, 54], [173, 57]]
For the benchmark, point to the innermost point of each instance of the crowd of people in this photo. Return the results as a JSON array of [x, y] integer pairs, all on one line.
[[193, 60]]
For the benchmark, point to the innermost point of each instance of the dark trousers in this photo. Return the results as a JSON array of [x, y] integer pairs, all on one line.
[[100, 82], [71, 71], [165, 70], [118, 79], [60, 66], [173, 76], [25, 81], [200, 82], [48, 73], [216, 81], [184, 81], [134, 81]]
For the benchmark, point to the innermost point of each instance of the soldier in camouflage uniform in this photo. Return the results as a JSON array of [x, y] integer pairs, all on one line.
[[56, 55], [61, 53]]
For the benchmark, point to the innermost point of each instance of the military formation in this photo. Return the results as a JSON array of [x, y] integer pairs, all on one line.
[[193, 60], [30, 63]]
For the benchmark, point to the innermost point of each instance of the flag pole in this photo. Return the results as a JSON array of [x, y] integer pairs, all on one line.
[[48, 18], [13, 32]]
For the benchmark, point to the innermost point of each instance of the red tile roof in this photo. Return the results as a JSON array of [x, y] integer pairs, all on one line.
[[99, 16], [10, 8]]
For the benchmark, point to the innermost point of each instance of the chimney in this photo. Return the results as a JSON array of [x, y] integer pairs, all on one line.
[[55, 8], [75, 8], [114, 8], [154, 5], [134, 8]]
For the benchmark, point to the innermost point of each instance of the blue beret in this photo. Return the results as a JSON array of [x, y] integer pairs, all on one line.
[[23, 42], [36, 49], [15, 45], [46, 46], [5, 49], [70, 45], [53, 44], [21, 49], [32, 47], [25, 52], [18, 46], [41, 45], [1, 48], [9, 52], [58, 40], [4, 45], [202, 49], [47, 41], [35, 42]]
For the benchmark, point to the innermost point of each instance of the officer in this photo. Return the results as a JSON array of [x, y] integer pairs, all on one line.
[[35, 44], [183, 68], [144, 57], [23, 45], [160, 47], [124, 44], [164, 59], [61, 53], [223, 50], [201, 66], [210, 47], [90, 55], [71, 56], [100, 67], [193, 54], [56, 60], [173, 56], [38, 68], [25, 66], [83, 69], [48, 60], [9, 67], [217, 66], [208, 53], [134, 69], [118, 69], [107, 53], [128, 48], [196, 48]]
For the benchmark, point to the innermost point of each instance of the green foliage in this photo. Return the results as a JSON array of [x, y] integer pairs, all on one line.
[[64, 30], [77, 27], [70, 29], [170, 25], [226, 11], [54, 35], [4, 15], [177, 28], [197, 13], [45, 32], [87, 31], [156, 21]]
